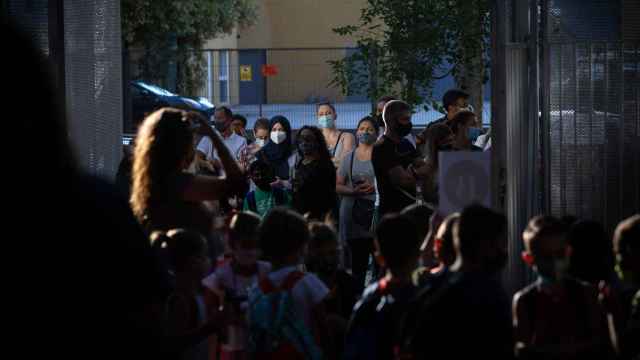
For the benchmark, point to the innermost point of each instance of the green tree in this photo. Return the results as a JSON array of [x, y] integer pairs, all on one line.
[[406, 45], [171, 33]]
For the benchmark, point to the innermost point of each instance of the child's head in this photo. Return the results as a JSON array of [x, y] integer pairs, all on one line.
[[322, 257], [626, 245], [262, 174], [480, 239], [443, 245], [419, 215], [591, 257], [243, 237], [546, 247], [187, 251], [283, 236], [397, 245]]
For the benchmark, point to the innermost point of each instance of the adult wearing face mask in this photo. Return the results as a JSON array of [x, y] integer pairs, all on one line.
[[355, 182], [339, 143], [379, 108], [465, 131], [234, 142], [278, 151], [314, 176], [397, 164]]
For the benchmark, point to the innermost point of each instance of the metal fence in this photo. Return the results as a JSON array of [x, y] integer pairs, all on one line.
[[83, 42], [300, 81], [592, 114], [594, 129]]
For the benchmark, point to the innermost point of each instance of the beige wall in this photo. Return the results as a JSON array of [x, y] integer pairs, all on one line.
[[303, 75], [294, 24], [301, 23]]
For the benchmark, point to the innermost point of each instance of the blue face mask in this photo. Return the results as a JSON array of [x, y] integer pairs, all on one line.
[[473, 133], [366, 138], [326, 122]]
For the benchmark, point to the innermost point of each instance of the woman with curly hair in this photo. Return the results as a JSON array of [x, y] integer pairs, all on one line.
[[163, 195]]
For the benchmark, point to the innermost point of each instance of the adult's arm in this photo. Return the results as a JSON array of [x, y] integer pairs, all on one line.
[[348, 144]]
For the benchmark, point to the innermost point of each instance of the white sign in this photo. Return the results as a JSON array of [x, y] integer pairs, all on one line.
[[464, 178]]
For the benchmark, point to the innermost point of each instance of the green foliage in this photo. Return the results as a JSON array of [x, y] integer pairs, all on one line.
[[172, 31], [405, 44]]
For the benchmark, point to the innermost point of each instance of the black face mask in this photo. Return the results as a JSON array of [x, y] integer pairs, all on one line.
[[307, 147], [263, 182], [404, 130]]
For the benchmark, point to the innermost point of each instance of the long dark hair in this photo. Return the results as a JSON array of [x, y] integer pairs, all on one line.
[[322, 144], [278, 152]]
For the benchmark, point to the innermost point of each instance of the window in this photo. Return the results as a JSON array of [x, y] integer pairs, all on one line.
[[223, 76]]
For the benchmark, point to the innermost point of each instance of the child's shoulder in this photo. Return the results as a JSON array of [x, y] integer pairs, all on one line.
[[264, 267], [527, 294]]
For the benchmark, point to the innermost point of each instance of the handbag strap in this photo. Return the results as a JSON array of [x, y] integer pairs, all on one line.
[[335, 148], [353, 154]]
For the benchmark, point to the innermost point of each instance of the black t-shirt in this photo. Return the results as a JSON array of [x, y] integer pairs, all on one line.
[[374, 327], [457, 316], [387, 155], [314, 188]]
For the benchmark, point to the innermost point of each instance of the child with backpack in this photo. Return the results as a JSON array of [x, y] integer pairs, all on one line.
[[230, 283], [374, 325], [265, 197], [286, 314], [556, 317], [322, 260], [187, 313]]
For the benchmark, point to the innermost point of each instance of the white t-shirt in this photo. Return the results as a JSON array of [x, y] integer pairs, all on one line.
[[235, 285], [307, 292], [235, 143]]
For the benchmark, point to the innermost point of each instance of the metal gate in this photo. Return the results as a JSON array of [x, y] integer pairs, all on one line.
[[83, 42], [591, 117]]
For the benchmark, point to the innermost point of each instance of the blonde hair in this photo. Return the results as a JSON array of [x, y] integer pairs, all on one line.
[[164, 141]]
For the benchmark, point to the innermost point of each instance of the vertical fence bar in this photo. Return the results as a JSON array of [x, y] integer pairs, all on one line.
[[621, 126], [606, 144], [563, 175], [578, 158]]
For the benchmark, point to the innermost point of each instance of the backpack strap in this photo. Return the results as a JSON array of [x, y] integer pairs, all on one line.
[[291, 280], [267, 286], [251, 201]]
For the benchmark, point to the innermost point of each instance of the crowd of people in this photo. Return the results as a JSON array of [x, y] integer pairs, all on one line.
[[331, 246], [322, 246]]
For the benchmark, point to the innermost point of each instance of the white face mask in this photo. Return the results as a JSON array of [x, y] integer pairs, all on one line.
[[278, 137], [260, 142]]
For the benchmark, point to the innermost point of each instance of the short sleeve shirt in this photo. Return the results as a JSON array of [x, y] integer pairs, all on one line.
[[386, 156]]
